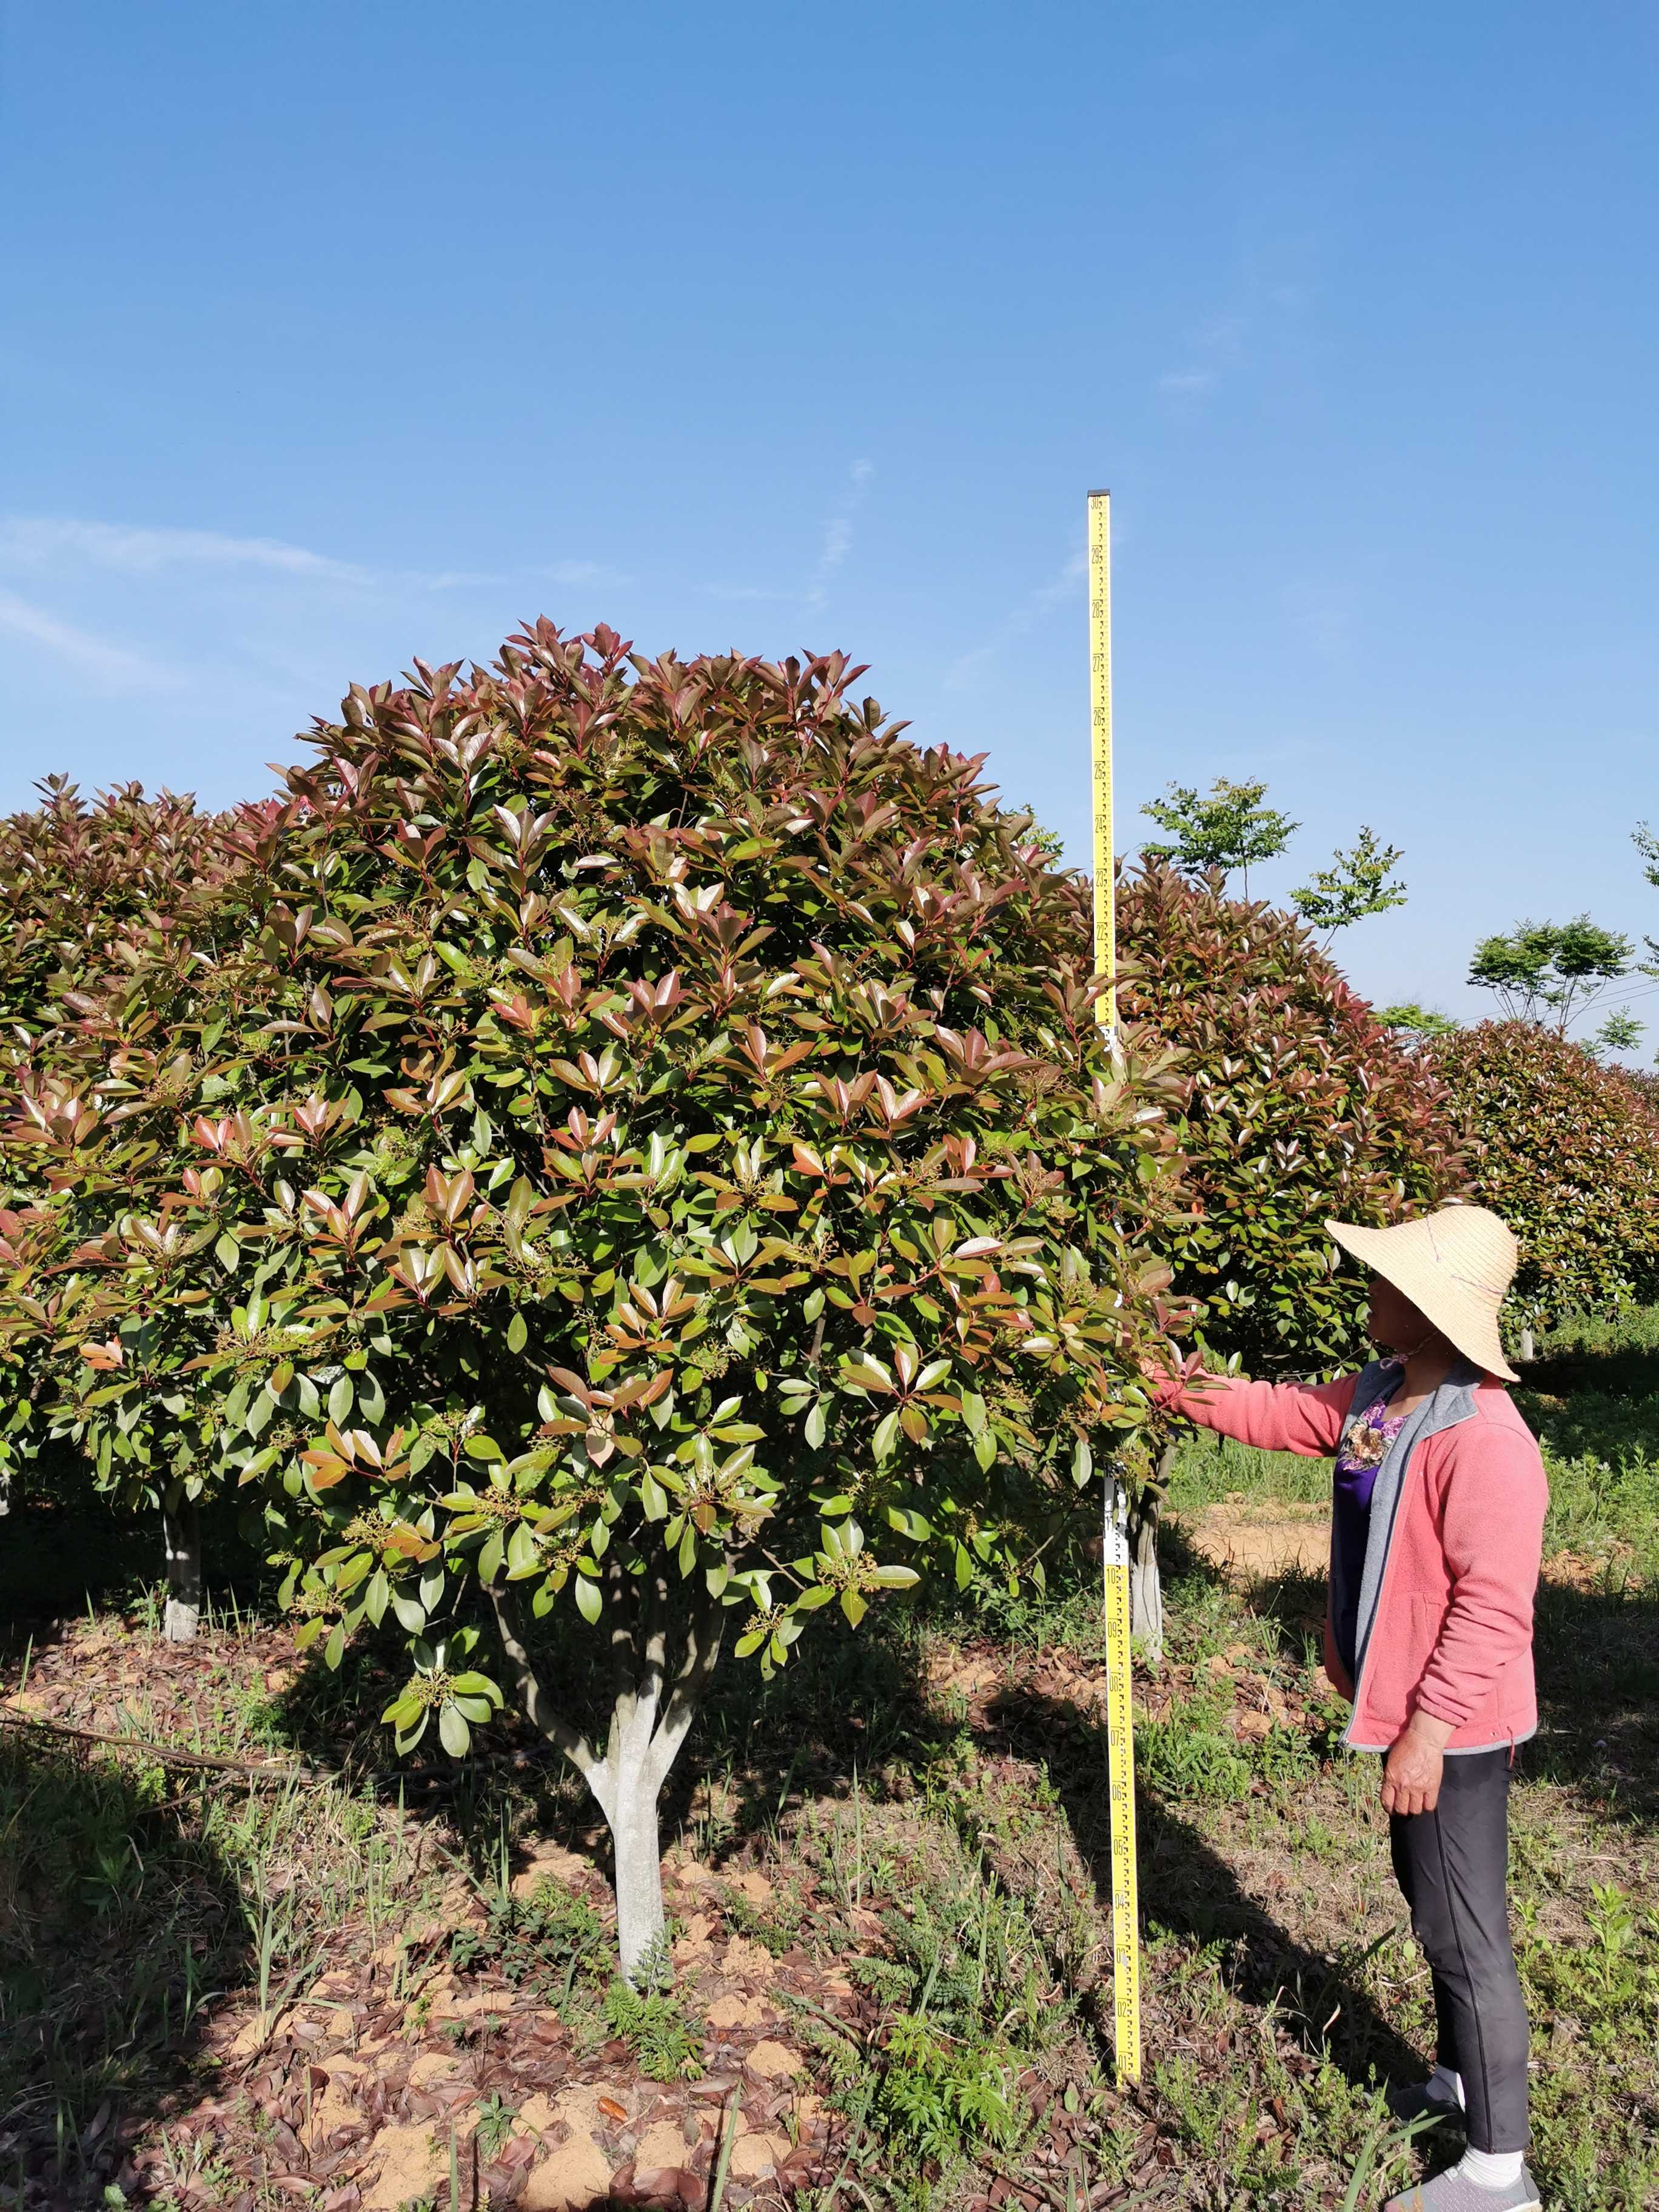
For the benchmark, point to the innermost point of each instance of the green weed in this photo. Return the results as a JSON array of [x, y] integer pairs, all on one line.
[[665, 2044]]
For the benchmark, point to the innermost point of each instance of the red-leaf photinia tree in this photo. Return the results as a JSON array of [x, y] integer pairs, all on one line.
[[628, 1154]]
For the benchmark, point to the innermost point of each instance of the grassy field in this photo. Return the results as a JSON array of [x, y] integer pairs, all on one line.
[[351, 1988]]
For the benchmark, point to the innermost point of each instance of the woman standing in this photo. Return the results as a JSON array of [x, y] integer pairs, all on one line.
[[1437, 1529]]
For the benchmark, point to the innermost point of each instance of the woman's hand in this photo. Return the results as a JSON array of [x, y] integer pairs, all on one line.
[[1411, 1779]]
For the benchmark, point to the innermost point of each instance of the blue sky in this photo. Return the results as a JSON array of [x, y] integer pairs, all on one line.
[[337, 333]]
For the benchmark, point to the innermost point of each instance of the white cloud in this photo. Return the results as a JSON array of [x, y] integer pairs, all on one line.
[[837, 544], [34, 542], [583, 572], [42, 542], [1185, 382], [838, 532], [1019, 622], [111, 665], [1321, 616]]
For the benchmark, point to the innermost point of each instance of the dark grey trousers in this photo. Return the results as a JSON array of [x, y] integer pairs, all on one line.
[[1452, 1865]]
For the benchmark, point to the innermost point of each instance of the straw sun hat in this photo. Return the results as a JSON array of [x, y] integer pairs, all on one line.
[[1453, 1265]]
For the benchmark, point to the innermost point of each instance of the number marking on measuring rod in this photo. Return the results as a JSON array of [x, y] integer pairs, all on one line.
[[1119, 1681], [1120, 1790], [1100, 716]]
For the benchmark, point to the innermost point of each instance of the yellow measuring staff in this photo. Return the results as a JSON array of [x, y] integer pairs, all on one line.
[[1120, 1687]]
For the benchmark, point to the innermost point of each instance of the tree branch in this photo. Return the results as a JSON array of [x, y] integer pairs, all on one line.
[[538, 1710], [703, 1636]]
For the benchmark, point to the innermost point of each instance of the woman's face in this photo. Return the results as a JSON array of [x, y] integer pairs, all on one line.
[[1394, 1323]]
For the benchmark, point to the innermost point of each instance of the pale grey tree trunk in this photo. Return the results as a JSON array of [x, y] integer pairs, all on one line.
[[181, 1536], [650, 1714], [1525, 1350], [1145, 1582]]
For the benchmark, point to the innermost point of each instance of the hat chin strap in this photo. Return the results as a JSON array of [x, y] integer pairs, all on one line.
[[1422, 1342]]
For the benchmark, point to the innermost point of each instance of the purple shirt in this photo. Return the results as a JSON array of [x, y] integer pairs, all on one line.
[[1362, 1454]]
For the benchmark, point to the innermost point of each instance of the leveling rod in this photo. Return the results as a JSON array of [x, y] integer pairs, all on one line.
[[1120, 1685]]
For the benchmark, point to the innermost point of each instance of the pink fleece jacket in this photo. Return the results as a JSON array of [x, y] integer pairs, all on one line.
[[1452, 1632]]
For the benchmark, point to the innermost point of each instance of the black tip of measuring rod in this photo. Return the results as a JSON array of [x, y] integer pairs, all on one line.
[[1104, 493]]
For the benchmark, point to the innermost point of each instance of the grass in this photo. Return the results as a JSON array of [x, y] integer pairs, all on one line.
[[924, 1801]]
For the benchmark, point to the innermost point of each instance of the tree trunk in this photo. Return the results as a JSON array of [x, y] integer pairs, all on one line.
[[1146, 1584], [636, 1848], [1525, 1350], [651, 1715], [181, 1535]]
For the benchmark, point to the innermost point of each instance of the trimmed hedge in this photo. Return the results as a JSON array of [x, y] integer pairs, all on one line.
[[1297, 1103], [1567, 1150]]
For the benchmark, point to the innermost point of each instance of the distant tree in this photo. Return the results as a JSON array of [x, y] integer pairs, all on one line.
[[1049, 842], [1421, 1020], [1568, 1153], [1647, 844], [1620, 1032], [1546, 970], [1356, 883], [1229, 829]]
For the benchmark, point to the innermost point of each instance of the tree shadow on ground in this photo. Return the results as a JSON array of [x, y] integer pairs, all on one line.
[[117, 1923], [1597, 1659], [67, 1547], [1187, 1887]]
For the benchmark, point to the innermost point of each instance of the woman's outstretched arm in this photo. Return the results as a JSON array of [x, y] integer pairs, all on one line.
[[1290, 1416]]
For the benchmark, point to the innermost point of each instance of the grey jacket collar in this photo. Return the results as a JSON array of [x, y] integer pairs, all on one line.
[[1454, 1401]]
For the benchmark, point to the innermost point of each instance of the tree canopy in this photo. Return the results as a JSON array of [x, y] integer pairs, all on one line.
[[627, 1140]]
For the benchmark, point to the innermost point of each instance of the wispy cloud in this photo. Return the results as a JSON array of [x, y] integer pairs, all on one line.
[[38, 542], [838, 532], [583, 572], [837, 544], [1019, 622], [110, 665], [1321, 616], [1217, 345]]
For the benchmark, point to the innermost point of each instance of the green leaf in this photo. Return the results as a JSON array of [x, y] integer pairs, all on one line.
[[485, 1448], [454, 1733], [518, 1333], [815, 1425], [228, 1253], [853, 1606], [410, 1615], [477, 1686], [589, 1603], [334, 1649], [377, 1592], [491, 1556], [341, 1399]]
